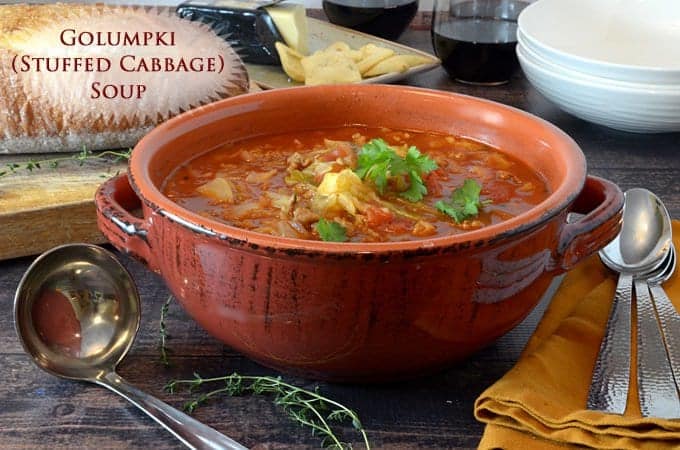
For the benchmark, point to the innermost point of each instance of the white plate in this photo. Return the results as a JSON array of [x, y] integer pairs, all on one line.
[[321, 35], [638, 111], [632, 40], [550, 64]]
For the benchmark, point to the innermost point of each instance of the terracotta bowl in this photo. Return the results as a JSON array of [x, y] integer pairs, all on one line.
[[358, 312]]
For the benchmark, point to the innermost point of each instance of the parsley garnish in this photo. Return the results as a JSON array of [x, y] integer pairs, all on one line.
[[378, 162], [414, 164], [464, 202], [374, 161], [331, 231]]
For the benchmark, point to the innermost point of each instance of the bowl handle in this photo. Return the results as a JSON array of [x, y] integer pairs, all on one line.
[[115, 200], [602, 202]]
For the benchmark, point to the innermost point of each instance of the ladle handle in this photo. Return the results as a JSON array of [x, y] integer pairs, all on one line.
[[115, 200], [190, 431], [601, 202]]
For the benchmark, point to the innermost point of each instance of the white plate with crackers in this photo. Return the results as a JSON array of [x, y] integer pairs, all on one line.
[[326, 41]]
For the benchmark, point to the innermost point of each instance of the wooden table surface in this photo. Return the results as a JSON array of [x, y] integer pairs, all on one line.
[[40, 411]]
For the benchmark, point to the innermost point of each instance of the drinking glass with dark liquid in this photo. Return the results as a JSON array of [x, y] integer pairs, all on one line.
[[383, 18], [476, 39]]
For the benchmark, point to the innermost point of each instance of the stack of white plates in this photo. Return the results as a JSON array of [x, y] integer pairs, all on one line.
[[612, 62]]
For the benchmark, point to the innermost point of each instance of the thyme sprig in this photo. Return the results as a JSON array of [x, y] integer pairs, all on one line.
[[308, 408], [53, 163], [163, 334]]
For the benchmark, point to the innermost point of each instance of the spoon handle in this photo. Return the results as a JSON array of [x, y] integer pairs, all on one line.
[[611, 374], [656, 386], [670, 325], [190, 431]]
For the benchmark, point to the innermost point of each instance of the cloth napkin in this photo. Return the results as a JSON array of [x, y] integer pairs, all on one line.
[[540, 403]]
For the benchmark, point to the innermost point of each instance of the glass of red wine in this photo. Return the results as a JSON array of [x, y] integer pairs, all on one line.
[[476, 39], [387, 19]]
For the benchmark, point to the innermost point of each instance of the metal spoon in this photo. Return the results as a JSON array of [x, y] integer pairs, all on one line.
[[639, 249], [668, 404], [669, 319], [657, 391], [76, 312]]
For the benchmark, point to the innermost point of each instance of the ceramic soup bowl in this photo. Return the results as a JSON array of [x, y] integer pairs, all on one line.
[[350, 311]]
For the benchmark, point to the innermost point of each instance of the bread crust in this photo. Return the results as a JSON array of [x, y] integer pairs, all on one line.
[[37, 118]]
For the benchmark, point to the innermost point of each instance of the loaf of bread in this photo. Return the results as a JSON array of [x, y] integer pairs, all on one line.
[[99, 77]]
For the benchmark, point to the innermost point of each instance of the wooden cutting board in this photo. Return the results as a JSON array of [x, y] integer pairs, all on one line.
[[47, 207]]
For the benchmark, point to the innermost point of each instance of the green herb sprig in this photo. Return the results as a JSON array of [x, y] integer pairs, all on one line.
[[308, 408], [464, 202], [53, 163], [414, 164], [378, 162], [163, 332], [331, 231]]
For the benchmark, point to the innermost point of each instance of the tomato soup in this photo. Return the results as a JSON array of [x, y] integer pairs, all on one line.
[[356, 184]]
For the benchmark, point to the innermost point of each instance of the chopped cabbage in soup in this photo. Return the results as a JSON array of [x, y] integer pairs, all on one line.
[[356, 184]]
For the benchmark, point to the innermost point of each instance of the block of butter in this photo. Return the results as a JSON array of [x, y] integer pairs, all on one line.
[[252, 27]]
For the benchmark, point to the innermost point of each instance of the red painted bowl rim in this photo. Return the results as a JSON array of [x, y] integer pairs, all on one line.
[[140, 179]]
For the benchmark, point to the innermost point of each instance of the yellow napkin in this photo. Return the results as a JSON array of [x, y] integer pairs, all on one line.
[[540, 403]]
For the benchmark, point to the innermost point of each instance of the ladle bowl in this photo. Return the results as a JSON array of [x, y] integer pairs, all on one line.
[[76, 312]]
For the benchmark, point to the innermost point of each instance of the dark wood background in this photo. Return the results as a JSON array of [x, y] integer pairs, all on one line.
[[38, 411]]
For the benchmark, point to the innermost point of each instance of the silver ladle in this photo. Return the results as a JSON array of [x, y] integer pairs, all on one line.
[[638, 250], [76, 312]]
